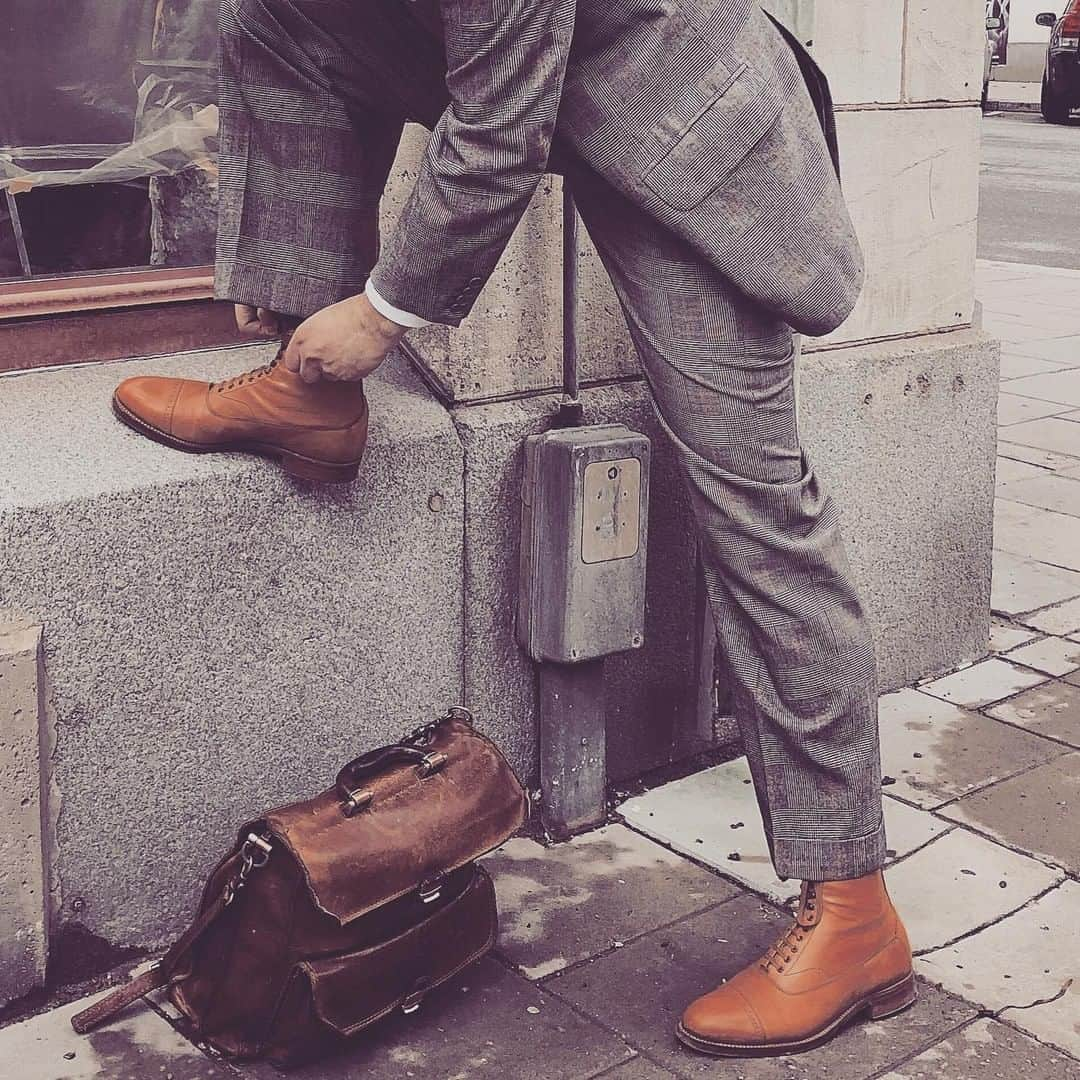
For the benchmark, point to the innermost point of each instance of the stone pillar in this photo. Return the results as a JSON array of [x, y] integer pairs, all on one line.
[[24, 813], [897, 406]]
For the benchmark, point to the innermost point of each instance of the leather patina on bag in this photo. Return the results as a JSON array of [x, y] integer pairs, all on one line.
[[330, 913]]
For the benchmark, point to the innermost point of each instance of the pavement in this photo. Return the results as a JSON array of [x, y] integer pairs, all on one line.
[[1013, 96], [1029, 190], [606, 938]]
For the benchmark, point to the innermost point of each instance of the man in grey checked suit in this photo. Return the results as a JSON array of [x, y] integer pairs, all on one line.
[[698, 142]]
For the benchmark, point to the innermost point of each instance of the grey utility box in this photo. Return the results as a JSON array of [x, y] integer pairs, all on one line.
[[585, 498]]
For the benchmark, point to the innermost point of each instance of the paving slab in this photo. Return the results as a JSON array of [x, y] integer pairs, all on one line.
[[1021, 584], [1003, 636], [960, 882], [1048, 491], [984, 682], [1035, 533], [1059, 386], [672, 814], [1015, 365], [487, 1024], [1064, 351], [1034, 456], [730, 838], [1052, 709], [1014, 409], [988, 1050], [1036, 811], [139, 1045], [1029, 957], [1059, 619], [1006, 471], [935, 751], [564, 903], [1052, 655], [642, 990]]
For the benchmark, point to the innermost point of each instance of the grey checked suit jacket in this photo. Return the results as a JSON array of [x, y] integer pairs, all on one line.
[[697, 110]]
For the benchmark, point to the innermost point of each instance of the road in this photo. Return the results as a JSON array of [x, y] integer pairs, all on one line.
[[1030, 191]]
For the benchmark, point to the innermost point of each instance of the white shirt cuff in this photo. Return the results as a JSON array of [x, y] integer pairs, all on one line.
[[388, 311]]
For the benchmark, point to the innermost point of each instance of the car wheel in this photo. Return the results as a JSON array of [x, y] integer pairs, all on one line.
[[1054, 110]]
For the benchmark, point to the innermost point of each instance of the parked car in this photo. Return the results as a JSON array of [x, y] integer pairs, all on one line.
[[1061, 80]]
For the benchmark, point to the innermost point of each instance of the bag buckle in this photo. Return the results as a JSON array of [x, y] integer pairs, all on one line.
[[356, 801], [254, 854], [429, 891]]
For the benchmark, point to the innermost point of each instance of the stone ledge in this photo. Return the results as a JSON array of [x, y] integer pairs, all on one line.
[[218, 637]]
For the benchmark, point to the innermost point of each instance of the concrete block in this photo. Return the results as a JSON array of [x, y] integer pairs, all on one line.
[[24, 915], [511, 343], [911, 180], [944, 49], [1027, 966], [561, 904], [902, 433], [860, 47], [652, 699], [219, 638]]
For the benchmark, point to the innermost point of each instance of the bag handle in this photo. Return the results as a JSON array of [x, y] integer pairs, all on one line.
[[350, 781]]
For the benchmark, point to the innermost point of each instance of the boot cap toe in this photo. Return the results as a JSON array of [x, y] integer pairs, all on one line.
[[150, 399]]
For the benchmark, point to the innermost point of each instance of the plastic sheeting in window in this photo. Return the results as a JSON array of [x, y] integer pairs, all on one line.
[[95, 91]]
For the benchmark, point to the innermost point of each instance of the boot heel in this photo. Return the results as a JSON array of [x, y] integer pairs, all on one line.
[[327, 472], [893, 999]]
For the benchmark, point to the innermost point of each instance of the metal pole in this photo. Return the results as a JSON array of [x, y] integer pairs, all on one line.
[[570, 411], [573, 750]]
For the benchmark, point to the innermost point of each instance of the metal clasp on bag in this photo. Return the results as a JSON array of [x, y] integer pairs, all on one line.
[[429, 891], [356, 801], [432, 763], [425, 732], [414, 999], [254, 854]]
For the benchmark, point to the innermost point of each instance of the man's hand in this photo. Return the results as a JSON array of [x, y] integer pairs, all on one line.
[[347, 340]]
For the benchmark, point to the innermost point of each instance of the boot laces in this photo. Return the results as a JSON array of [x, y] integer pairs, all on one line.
[[246, 377], [783, 950]]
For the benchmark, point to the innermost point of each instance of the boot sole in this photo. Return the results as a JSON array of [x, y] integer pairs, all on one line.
[[877, 1005], [297, 465]]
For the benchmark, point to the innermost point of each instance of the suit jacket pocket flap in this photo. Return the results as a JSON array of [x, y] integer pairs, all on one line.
[[718, 140]]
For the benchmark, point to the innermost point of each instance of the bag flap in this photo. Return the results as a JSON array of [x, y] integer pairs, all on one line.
[[349, 992], [413, 828]]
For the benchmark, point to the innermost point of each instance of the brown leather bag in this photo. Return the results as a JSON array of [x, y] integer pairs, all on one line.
[[329, 914]]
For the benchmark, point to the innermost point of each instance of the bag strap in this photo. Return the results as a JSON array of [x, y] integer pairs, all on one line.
[[104, 1010]]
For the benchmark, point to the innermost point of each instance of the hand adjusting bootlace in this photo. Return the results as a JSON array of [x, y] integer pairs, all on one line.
[[783, 951]]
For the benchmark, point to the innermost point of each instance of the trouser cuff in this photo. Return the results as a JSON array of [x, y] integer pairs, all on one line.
[[830, 860]]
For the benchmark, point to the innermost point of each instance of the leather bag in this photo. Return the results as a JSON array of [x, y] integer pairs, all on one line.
[[330, 913]]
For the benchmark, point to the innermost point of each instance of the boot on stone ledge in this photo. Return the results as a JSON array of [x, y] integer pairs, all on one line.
[[847, 955], [317, 430]]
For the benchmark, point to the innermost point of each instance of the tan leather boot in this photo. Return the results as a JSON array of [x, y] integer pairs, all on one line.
[[317, 430], [846, 955]]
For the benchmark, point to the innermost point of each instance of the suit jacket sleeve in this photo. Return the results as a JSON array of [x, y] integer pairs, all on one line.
[[506, 61]]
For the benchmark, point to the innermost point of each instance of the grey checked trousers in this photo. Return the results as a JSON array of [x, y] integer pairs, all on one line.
[[314, 95]]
